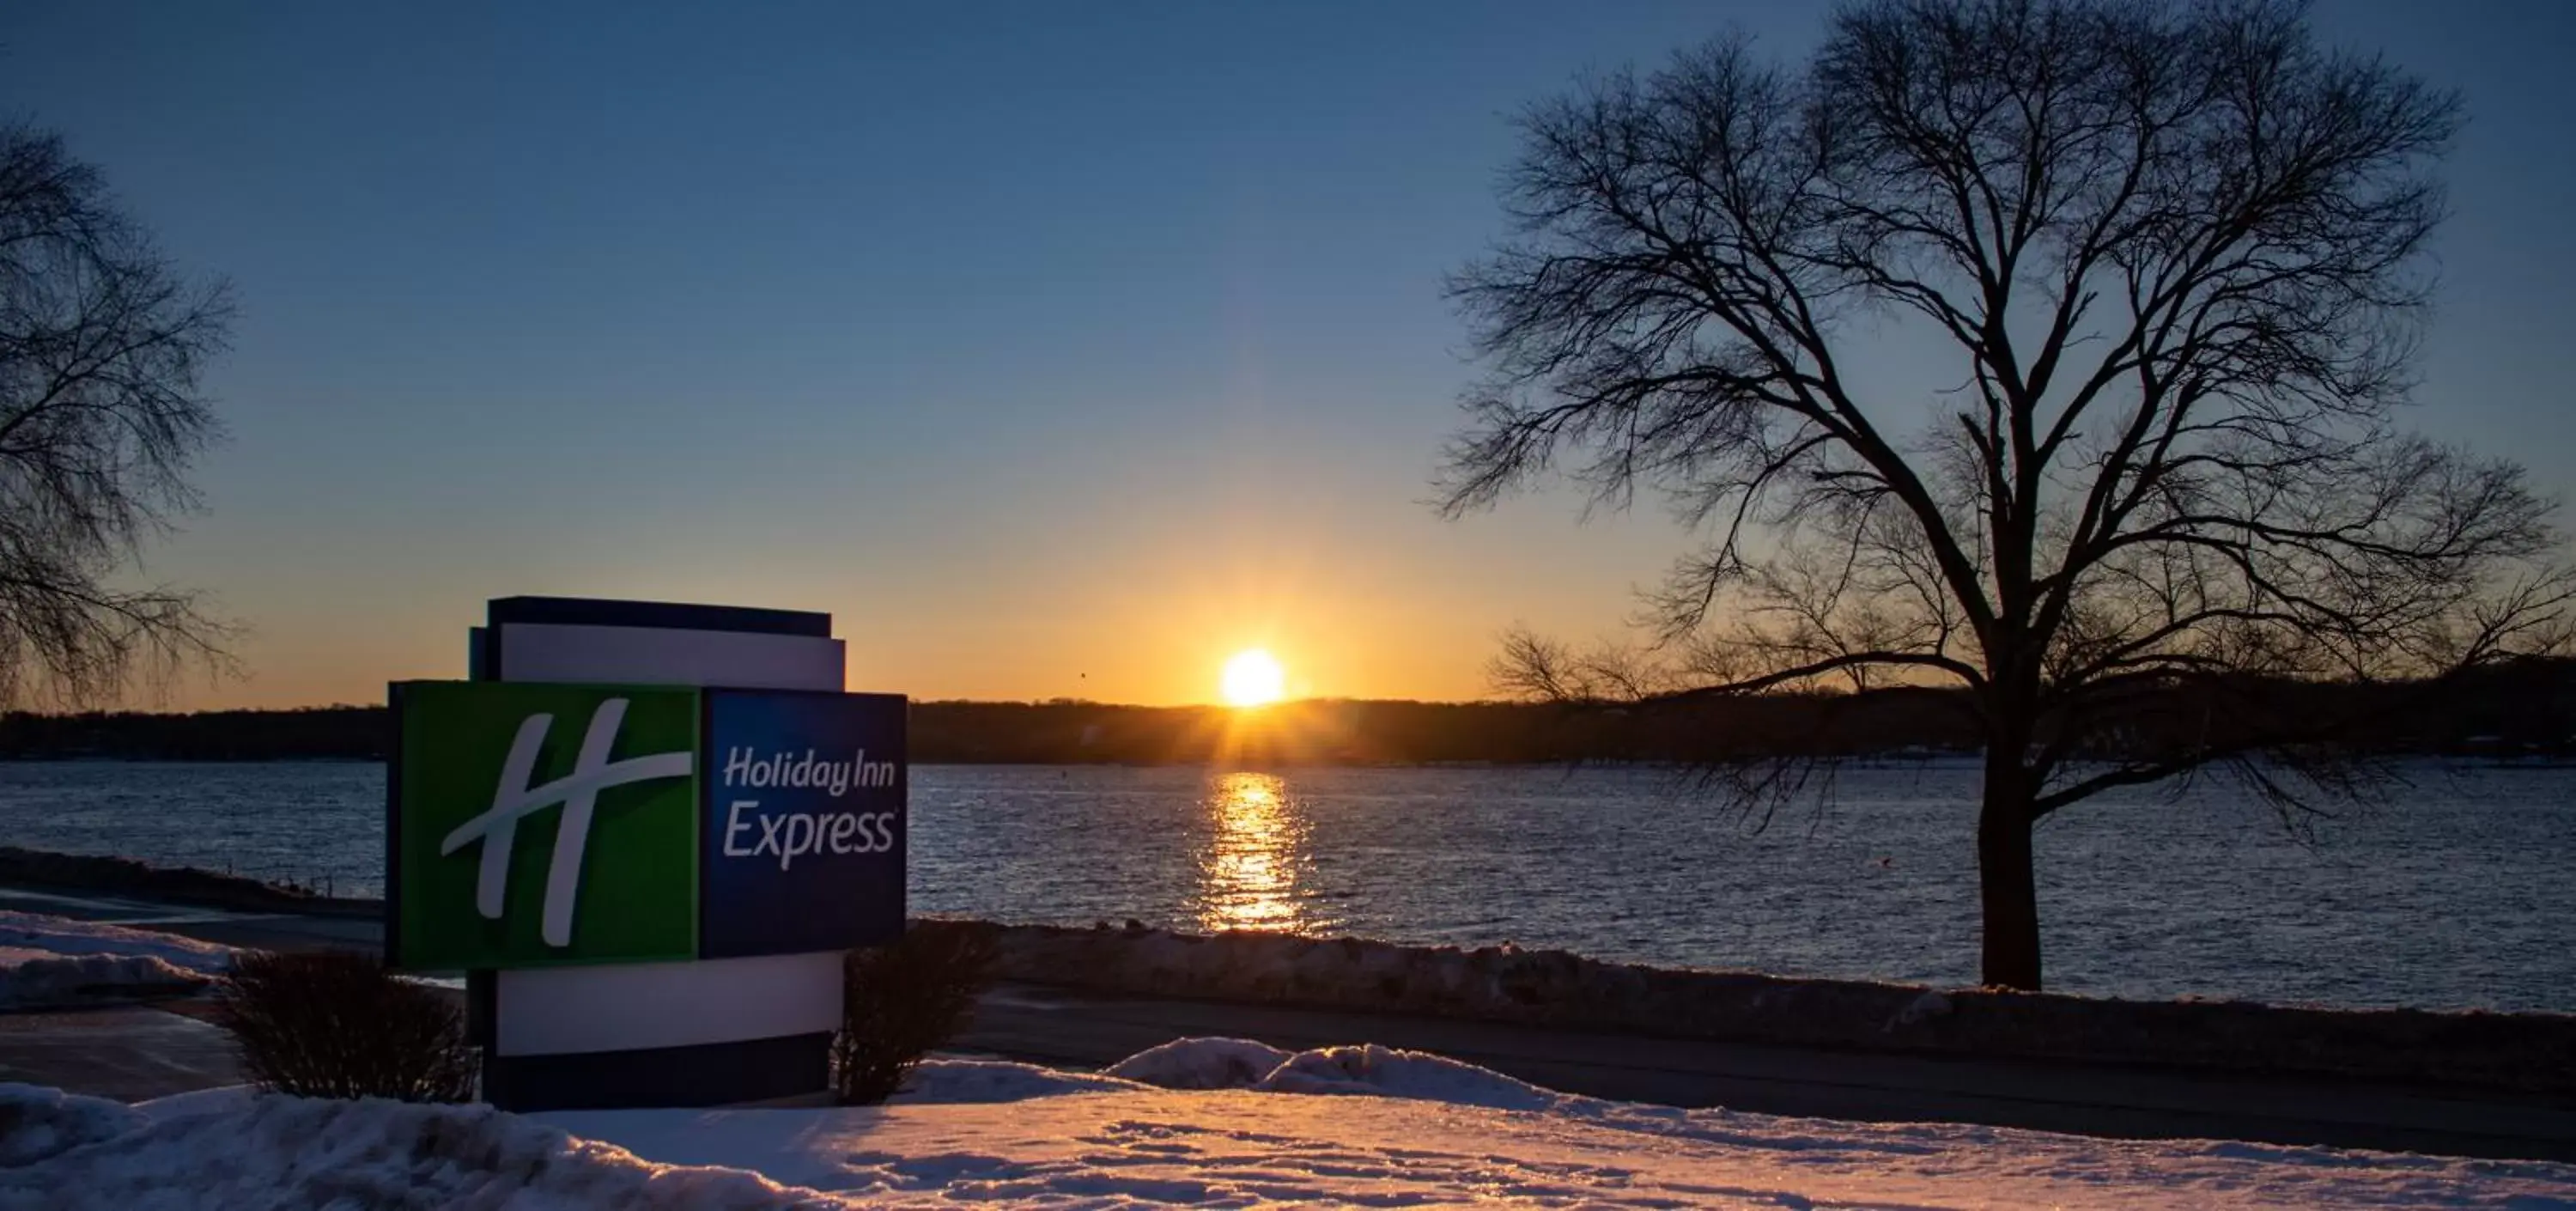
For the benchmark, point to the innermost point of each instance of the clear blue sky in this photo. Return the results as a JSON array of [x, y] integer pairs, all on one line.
[[1055, 348]]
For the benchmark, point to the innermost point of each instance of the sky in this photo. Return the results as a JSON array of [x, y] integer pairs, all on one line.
[[1055, 350]]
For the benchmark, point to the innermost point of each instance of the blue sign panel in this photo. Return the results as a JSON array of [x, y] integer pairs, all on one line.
[[804, 820]]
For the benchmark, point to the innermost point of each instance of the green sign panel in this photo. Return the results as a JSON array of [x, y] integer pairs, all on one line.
[[544, 824]]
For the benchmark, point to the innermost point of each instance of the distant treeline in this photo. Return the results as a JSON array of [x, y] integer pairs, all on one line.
[[1058, 732], [2528, 708]]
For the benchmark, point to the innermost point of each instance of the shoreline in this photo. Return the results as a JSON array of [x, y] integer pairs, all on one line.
[[99, 874], [2519, 1053]]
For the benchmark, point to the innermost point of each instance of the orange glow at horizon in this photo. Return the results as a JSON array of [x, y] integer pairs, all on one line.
[[1153, 626]]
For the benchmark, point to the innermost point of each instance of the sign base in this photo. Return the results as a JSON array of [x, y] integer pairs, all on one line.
[[706, 1074]]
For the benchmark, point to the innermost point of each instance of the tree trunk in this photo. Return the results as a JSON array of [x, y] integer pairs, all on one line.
[[2010, 895]]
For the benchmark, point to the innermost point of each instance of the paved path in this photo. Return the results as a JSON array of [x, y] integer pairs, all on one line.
[[1052, 1026], [127, 1054]]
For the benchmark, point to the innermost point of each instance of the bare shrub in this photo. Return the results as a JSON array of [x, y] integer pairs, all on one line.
[[337, 1024], [900, 1002]]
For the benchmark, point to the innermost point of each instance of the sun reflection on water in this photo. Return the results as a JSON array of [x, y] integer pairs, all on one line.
[[1248, 872]]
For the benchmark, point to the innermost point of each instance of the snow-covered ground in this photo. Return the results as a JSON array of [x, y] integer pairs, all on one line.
[[48, 961], [1203, 1122], [1436, 1132]]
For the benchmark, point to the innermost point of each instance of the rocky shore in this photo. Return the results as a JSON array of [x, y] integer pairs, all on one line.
[[124, 876], [2521, 1052]]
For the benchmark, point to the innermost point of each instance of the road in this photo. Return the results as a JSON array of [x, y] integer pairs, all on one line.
[[1047, 1025]]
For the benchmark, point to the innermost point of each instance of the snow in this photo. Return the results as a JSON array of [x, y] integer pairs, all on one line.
[[31, 979], [1239, 1148], [1450, 1132], [1386, 1071], [66, 936], [284, 1152], [222, 1099], [1438, 1131], [37, 1122], [1201, 1064], [52, 961], [1368, 1069], [966, 1081]]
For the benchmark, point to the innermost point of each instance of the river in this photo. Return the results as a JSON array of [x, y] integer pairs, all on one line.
[[2452, 893]]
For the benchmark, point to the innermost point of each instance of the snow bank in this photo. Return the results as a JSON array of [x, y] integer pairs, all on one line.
[[1201, 1064], [35, 979], [282, 1152], [66, 936], [51, 961], [1462, 1135], [970, 1081], [1391, 1072], [37, 1122], [1366, 1069], [1012, 1134], [222, 1099]]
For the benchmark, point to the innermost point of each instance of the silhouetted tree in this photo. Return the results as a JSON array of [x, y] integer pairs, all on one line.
[[2169, 256], [101, 346]]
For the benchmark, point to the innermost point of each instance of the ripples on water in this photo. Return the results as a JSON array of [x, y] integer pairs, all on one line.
[[1248, 870], [2453, 894]]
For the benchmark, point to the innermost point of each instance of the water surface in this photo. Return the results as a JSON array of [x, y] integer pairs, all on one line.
[[2454, 893]]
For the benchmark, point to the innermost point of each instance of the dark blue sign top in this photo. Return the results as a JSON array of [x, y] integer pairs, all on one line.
[[671, 615], [803, 841]]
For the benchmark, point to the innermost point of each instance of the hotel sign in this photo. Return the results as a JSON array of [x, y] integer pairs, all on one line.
[[538, 824]]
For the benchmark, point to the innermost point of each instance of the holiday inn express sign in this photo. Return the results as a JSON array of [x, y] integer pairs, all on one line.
[[647, 833], [537, 824]]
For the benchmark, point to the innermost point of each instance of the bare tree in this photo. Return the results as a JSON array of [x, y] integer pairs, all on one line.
[[101, 348], [2172, 252]]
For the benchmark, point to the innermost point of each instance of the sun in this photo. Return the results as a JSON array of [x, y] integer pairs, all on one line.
[[1253, 678]]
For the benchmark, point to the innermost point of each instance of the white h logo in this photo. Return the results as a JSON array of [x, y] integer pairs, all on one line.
[[578, 792]]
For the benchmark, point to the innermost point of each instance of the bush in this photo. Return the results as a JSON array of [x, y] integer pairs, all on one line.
[[900, 1002], [338, 1025]]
